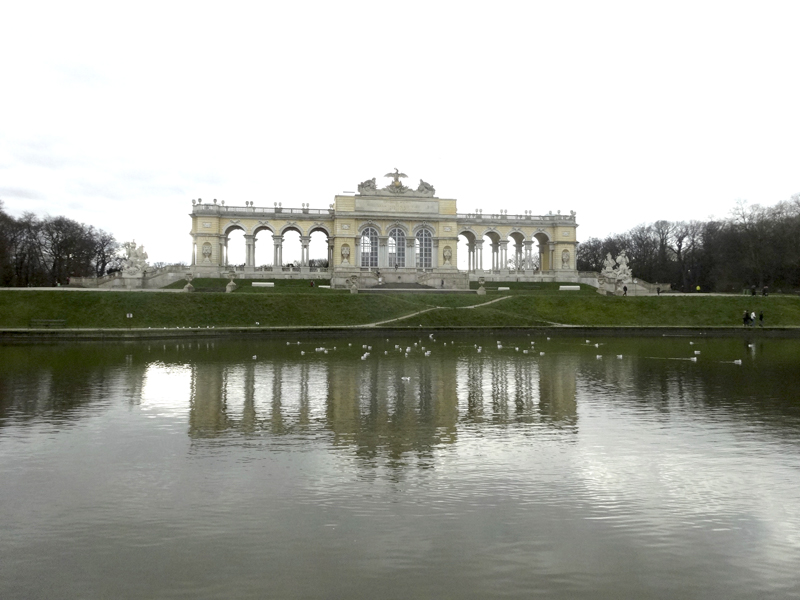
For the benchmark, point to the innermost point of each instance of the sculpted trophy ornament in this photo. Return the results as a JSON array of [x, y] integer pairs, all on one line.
[[367, 186], [345, 254], [396, 187], [425, 187]]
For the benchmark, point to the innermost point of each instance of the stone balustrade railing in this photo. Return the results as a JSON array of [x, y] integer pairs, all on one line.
[[258, 210], [506, 217]]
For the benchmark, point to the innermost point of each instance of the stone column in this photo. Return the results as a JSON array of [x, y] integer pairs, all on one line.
[[250, 251], [503, 255], [434, 253], [277, 262], [528, 255], [552, 252], [411, 254], [331, 248], [479, 264], [470, 256], [194, 251], [357, 244], [223, 245], [304, 241]]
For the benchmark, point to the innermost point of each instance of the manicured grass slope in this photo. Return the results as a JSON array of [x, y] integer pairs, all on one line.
[[314, 307]]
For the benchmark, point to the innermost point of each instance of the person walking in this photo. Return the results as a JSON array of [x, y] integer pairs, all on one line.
[[761, 318], [752, 319], [746, 319], [624, 290]]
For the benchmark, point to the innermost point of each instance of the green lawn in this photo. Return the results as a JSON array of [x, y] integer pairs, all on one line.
[[295, 303]]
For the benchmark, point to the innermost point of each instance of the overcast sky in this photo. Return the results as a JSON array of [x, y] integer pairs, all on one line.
[[118, 114]]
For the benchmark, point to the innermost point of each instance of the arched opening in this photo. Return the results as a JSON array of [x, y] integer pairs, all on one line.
[[264, 250], [397, 248], [468, 252], [235, 248], [423, 247], [516, 252], [491, 244], [369, 248], [542, 253], [291, 248], [318, 252]]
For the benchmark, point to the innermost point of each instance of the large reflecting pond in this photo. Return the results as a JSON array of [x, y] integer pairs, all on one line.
[[275, 469]]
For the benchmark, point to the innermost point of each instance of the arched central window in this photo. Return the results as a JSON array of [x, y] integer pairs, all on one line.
[[397, 248], [369, 247], [424, 249]]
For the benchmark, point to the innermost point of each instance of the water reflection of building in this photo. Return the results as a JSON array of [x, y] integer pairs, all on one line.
[[521, 389], [382, 406]]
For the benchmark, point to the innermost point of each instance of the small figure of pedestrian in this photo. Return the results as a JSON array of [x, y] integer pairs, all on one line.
[[764, 291], [761, 318], [753, 290], [312, 283], [658, 291], [624, 290], [752, 319], [746, 319]]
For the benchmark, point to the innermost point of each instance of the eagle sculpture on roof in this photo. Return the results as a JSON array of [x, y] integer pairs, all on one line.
[[396, 176]]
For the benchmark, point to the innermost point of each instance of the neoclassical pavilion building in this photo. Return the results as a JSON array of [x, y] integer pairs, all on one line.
[[392, 235]]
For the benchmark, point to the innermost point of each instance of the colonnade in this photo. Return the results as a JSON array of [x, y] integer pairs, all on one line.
[[524, 254], [277, 254]]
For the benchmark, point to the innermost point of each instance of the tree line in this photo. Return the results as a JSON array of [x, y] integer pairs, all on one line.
[[755, 246], [48, 251]]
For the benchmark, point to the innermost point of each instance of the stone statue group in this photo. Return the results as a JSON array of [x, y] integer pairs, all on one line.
[[135, 259], [615, 273]]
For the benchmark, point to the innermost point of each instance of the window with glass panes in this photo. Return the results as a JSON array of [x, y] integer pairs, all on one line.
[[397, 248], [424, 248], [369, 247]]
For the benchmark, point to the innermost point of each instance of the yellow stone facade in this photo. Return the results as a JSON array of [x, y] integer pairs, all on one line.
[[362, 253]]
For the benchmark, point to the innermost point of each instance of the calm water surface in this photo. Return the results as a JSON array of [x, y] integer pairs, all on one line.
[[227, 469]]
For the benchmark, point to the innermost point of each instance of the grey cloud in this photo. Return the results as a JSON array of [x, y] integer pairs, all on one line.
[[11, 192], [40, 153]]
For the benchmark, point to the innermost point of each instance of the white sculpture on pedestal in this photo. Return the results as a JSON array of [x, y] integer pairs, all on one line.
[[135, 260]]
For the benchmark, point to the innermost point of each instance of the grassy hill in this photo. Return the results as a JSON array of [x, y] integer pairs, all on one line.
[[296, 304]]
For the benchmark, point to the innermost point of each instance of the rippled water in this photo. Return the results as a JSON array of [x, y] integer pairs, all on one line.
[[265, 470]]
